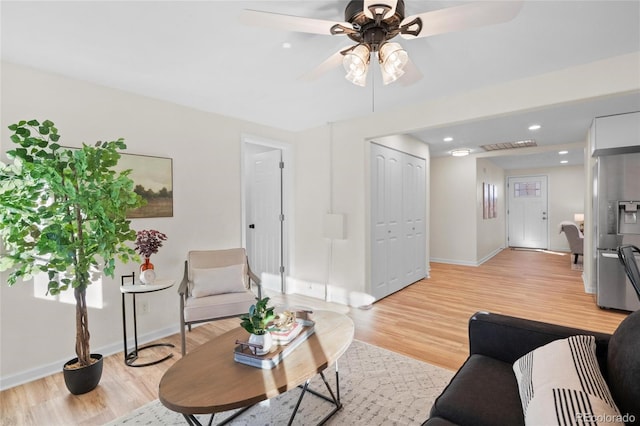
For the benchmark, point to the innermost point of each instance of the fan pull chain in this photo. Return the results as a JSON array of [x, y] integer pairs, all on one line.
[[373, 92]]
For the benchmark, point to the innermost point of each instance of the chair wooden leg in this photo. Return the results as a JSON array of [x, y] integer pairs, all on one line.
[[575, 258], [184, 340]]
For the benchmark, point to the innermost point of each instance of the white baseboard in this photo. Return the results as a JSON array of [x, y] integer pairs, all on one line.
[[56, 367], [453, 261], [317, 290], [306, 288], [467, 262], [588, 288], [490, 255]]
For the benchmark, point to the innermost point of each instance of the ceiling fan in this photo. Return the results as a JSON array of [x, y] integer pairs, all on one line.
[[372, 24]]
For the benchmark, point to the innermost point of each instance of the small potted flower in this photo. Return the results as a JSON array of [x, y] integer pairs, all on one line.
[[147, 243], [256, 323]]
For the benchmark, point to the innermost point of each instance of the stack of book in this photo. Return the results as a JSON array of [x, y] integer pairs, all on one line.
[[302, 329], [284, 336]]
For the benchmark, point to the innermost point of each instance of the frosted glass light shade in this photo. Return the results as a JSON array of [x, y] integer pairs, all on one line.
[[393, 58], [356, 63]]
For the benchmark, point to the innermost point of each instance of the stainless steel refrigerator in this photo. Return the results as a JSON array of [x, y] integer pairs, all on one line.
[[617, 208]]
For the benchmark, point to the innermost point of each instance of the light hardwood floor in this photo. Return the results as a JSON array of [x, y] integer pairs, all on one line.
[[427, 321]]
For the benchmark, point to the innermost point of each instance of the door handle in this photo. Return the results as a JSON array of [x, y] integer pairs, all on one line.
[[610, 255], [252, 226]]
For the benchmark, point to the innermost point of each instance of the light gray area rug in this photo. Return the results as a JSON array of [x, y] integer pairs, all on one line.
[[377, 387]]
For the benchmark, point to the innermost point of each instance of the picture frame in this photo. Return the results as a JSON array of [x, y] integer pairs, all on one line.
[[489, 201], [494, 202], [153, 181], [485, 200]]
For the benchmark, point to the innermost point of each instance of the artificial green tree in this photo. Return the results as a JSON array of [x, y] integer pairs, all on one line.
[[63, 213]]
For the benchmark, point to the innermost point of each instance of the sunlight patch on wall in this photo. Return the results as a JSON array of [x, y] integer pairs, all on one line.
[[94, 292]]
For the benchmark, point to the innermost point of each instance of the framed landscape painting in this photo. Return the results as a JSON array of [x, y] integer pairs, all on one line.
[[153, 178], [485, 200]]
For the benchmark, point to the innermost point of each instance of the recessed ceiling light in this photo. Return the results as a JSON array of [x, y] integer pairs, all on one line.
[[564, 161], [448, 139], [460, 152], [286, 45], [535, 127], [563, 152]]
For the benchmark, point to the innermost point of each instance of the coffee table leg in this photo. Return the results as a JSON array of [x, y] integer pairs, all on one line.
[[193, 421], [335, 400], [337, 383]]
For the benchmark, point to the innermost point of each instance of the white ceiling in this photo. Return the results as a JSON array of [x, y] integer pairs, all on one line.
[[197, 54]]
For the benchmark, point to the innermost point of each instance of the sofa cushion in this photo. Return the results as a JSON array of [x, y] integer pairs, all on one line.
[[484, 392], [623, 364], [560, 383]]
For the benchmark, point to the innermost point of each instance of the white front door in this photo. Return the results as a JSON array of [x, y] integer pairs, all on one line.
[[528, 212], [264, 210]]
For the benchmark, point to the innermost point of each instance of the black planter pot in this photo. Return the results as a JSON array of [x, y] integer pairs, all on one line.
[[85, 379]]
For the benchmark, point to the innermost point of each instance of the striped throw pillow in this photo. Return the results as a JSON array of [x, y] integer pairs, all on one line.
[[561, 384]]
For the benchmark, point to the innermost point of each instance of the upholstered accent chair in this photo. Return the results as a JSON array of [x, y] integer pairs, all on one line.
[[575, 239], [216, 284]]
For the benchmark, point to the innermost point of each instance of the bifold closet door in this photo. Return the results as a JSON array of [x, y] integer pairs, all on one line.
[[398, 182], [413, 214]]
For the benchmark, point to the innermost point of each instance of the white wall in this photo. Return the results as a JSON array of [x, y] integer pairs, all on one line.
[[453, 210], [566, 192], [207, 207], [491, 232], [37, 336], [456, 194], [614, 75]]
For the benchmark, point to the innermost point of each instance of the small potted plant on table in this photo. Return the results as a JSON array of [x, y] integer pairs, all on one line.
[[256, 323], [147, 243]]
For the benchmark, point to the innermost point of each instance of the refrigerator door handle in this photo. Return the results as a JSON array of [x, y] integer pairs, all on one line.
[[610, 255]]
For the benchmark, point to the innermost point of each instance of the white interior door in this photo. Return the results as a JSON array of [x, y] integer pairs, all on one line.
[[528, 212], [398, 246], [413, 214], [264, 212], [386, 220]]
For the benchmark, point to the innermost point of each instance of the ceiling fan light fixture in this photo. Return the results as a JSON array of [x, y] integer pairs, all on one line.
[[388, 78], [357, 79], [393, 58], [382, 9], [356, 64]]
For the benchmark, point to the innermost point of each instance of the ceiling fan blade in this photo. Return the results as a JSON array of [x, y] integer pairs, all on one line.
[[291, 23], [458, 18], [327, 65]]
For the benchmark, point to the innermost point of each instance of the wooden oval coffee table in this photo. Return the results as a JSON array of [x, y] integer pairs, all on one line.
[[208, 380]]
